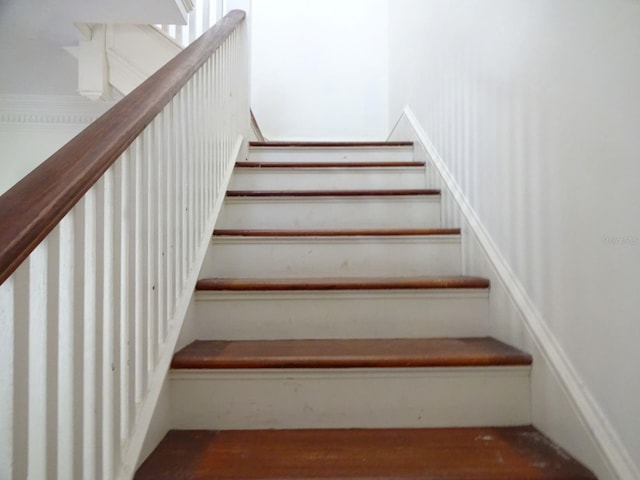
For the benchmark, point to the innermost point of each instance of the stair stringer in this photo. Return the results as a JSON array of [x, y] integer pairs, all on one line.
[[561, 408]]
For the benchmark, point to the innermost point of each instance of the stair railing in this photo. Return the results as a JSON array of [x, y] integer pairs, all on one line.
[[205, 13], [100, 249]]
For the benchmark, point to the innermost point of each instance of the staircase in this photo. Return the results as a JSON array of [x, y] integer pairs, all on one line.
[[338, 337]]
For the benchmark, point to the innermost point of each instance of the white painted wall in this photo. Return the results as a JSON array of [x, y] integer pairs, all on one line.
[[534, 107], [319, 69], [33, 127], [24, 147]]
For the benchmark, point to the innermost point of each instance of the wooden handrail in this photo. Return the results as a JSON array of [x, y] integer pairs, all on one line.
[[33, 207]]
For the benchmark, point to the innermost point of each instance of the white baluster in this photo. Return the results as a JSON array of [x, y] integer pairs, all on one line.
[[182, 35], [86, 248], [63, 429], [141, 315], [169, 223], [184, 206], [110, 293], [7, 346], [219, 9], [126, 216], [161, 229], [190, 125], [38, 397], [192, 23], [154, 254], [206, 15]]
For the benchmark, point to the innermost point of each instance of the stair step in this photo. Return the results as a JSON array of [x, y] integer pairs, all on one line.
[[232, 310], [308, 253], [353, 353], [354, 283], [359, 383], [328, 175], [514, 453], [331, 151]]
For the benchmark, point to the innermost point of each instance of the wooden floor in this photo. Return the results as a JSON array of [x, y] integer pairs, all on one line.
[[352, 353], [516, 453]]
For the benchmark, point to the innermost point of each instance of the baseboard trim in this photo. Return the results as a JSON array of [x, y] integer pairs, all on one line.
[[602, 433]]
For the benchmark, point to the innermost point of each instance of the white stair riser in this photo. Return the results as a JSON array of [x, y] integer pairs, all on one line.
[[327, 178], [330, 154], [352, 398], [342, 314], [332, 257], [330, 213]]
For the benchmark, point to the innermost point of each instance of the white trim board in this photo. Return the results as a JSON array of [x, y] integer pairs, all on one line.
[[613, 459], [50, 109]]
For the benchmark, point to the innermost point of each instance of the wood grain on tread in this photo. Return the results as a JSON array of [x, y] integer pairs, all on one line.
[[507, 453], [338, 233], [330, 144], [361, 164], [334, 193], [354, 283], [351, 353]]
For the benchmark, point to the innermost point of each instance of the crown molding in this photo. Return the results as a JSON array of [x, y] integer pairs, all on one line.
[[50, 109]]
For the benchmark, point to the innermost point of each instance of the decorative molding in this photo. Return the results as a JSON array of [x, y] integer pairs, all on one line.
[[50, 109], [602, 433]]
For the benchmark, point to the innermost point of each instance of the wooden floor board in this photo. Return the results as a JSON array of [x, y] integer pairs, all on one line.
[[514, 453]]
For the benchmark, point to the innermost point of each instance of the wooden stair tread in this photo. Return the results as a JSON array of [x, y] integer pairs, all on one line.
[[353, 283], [487, 453], [356, 165], [330, 144], [334, 193], [337, 233], [350, 353]]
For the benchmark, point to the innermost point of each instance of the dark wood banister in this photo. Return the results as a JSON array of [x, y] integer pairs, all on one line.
[[33, 207]]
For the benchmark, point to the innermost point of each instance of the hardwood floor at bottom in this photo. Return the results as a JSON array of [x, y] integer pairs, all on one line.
[[514, 453]]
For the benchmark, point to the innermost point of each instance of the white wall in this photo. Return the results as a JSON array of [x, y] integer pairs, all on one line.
[[32, 127], [319, 69], [534, 106]]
